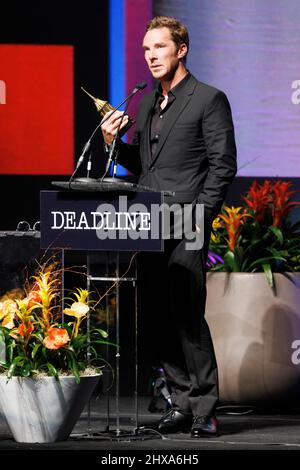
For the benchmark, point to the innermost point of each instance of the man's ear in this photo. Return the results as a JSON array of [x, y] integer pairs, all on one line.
[[182, 51]]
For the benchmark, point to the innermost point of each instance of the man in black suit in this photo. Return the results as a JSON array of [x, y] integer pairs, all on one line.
[[184, 143]]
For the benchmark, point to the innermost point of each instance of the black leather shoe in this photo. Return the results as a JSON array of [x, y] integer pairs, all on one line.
[[175, 421], [205, 426]]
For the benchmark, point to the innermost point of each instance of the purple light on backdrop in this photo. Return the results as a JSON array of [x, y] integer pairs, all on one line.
[[250, 50], [137, 15], [126, 59]]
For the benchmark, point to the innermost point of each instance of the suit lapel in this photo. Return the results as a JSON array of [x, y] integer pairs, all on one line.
[[147, 116], [175, 110]]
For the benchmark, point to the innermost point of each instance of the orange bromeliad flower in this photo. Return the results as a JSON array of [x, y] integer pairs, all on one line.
[[259, 198], [57, 337], [281, 201], [43, 296], [233, 223], [34, 298]]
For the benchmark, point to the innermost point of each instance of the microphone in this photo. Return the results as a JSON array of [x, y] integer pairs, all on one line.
[[86, 148], [140, 86]]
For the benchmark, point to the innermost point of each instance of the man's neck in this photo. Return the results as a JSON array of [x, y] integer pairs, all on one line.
[[179, 75]]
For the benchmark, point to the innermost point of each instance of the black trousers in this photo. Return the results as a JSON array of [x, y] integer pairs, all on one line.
[[172, 287]]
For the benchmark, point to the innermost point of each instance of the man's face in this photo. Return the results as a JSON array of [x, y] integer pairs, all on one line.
[[161, 53]]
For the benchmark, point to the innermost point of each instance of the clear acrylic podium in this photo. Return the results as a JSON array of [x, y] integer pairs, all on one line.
[[109, 269], [72, 220]]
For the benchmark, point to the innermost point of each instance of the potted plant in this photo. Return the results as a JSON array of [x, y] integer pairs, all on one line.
[[253, 297], [49, 362]]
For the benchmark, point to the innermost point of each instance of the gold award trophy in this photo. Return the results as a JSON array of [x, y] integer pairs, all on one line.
[[103, 107]]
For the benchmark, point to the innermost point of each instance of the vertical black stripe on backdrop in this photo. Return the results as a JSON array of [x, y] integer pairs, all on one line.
[[83, 25]]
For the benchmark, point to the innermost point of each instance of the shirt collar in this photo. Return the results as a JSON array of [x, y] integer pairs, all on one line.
[[176, 89]]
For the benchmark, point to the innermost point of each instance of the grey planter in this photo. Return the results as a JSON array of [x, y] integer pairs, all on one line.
[[255, 333], [44, 409]]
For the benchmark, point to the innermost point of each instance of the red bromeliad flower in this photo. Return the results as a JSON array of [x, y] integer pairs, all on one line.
[[25, 330], [57, 337], [233, 224], [281, 201], [258, 198]]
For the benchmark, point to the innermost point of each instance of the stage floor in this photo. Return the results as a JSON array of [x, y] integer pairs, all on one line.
[[240, 429]]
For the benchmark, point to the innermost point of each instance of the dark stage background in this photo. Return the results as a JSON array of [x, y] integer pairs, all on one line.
[[84, 27]]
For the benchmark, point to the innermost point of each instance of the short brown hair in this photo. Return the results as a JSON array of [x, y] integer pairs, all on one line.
[[179, 32]]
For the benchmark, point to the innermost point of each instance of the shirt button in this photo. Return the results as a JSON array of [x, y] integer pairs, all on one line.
[[161, 116], [152, 169]]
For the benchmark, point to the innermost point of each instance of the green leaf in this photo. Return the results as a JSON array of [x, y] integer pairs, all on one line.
[[278, 234], [18, 361], [269, 275], [2, 346], [52, 369], [278, 254], [93, 350], [229, 260], [261, 261], [74, 367], [103, 333], [10, 351], [238, 257], [26, 369], [35, 350], [99, 341]]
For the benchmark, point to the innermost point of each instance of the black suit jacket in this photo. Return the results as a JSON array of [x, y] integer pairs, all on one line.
[[196, 152]]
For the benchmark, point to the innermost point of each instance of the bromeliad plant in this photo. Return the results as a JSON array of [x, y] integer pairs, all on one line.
[[36, 336], [258, 236]]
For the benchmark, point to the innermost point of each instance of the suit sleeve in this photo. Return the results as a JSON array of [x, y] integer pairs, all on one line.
[[218, 132], [129, 154]]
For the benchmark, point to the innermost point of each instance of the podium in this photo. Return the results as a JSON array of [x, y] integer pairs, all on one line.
[[109, 223]]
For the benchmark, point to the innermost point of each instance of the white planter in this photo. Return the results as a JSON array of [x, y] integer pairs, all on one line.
[[44, 409], [254, 333]]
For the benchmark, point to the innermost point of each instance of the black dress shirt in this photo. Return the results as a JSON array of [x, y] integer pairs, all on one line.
[[160, 115]]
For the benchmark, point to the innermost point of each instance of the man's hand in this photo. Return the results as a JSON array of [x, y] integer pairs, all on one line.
[[110, 127]]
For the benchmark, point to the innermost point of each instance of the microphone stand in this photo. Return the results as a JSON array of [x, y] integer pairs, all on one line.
[[86, 148]]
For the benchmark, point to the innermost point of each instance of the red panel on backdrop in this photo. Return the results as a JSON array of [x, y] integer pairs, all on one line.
[[36, 109]]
